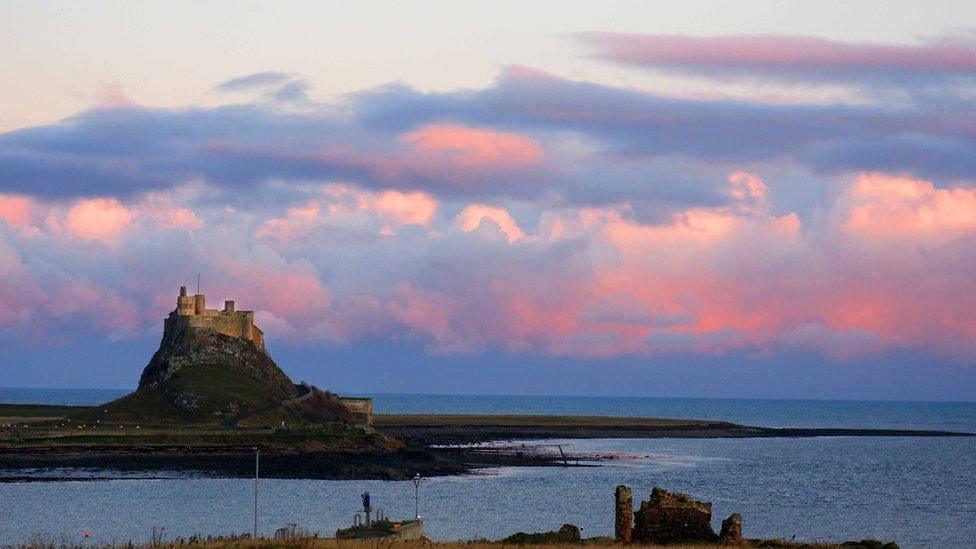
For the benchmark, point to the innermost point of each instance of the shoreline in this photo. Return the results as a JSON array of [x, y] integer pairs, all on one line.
[[122, 463]]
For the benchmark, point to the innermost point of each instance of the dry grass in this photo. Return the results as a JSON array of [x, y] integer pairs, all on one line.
[[237, 542], [323, 543]]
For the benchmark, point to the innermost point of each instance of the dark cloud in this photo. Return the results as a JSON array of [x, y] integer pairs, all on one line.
[[601, 144], [253, 81], [295, 91], [789, 57]]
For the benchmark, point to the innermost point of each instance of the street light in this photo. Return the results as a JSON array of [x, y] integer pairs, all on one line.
[[416, 496]]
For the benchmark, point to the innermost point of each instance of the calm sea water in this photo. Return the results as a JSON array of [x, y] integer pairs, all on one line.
[[920, 492]]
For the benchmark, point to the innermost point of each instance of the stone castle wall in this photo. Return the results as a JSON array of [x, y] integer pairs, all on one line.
[[192, 313]]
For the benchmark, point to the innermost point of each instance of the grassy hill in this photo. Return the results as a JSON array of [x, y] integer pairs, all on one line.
[[202, 378]]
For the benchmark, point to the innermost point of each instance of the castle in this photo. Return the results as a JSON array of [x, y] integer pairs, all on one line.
[[192, 313]]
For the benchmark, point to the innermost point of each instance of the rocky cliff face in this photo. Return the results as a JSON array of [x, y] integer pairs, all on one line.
[[195, 347]]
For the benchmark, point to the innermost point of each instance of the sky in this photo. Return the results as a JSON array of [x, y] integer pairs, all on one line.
[[701, 199]]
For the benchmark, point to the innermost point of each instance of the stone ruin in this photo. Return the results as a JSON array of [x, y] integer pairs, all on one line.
[[731, 529], [568, 533], [624, 519], [670, 518]]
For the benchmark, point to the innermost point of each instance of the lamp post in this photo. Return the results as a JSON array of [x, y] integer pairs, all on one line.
[[416, 496], [257, 461]]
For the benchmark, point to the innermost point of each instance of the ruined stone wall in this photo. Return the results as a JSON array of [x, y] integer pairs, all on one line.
[[673, 518], [624, 514], [362, 407], [731, 533]]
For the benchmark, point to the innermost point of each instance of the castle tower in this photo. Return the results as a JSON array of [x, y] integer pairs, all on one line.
[[192, 313], [185, 305]]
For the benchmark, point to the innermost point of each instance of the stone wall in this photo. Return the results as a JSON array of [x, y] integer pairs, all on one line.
[[623, 514], [191, 313], [673, 518], [361, 407], [731, 533]]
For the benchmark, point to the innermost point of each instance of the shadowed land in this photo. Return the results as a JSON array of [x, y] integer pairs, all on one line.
[[433, 429], [435, 444]]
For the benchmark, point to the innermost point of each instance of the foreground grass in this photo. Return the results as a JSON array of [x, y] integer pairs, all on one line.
[[328, 543]]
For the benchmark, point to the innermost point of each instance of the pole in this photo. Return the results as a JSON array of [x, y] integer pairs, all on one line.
[[257, 457], [416, 496]]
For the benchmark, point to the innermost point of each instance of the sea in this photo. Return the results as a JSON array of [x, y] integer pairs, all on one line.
[[919, 492]]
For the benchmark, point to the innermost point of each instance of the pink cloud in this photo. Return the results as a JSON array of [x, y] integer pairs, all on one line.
[[168, 214], [890, 205], [474, 147], [346, 205], [104, 307], [472, 217], [430, 313], [414, 208], [747, 190], [885, 266], [99, 218], [111, 95], [15, 209], [294, 225], [788, 53]]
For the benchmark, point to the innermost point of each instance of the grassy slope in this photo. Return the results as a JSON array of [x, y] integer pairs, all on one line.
[[38, 410], [217, 387]]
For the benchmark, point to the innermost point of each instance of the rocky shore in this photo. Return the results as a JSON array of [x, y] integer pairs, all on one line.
[[104, 462]]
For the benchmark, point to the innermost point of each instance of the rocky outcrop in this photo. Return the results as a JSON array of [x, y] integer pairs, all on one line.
[[623, 514], [731, 533], [568, 533], [673, 518], [202, 376], [193, 346]]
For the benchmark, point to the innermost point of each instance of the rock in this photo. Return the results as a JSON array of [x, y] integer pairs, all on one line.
[[204, 374], [731, 533], [869, 544], [190, 347], [624, 523], [568, 533], [673, 518]]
